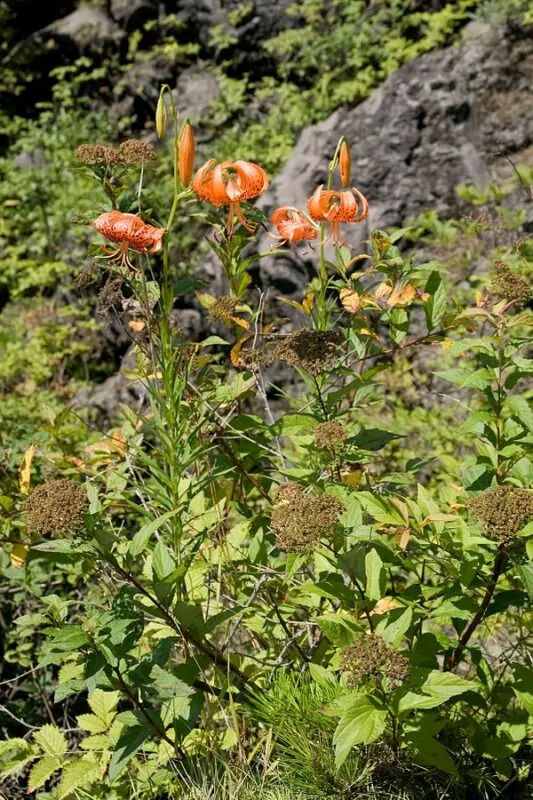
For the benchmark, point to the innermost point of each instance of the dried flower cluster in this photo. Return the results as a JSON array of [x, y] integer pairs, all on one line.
[[371, 659], [223, 309], [133, 151], [315, 351], [56, 508], [300, 519], [503, 510], [329, 435], [510, 285]]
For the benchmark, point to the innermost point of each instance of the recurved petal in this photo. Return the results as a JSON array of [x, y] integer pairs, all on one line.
[[252, 179], [201, 180], [314, 204], [363, 210]]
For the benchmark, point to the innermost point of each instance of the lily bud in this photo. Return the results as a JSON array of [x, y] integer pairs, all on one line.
[[161, 117], [345, 163], [186, 153]]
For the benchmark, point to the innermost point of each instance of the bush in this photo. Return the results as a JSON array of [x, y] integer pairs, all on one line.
[[290, 602]]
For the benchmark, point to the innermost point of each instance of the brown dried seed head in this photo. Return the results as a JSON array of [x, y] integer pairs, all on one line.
[[371, 658], [509, 285], [223, 309], [330, 435], [504, 511], [300, 520], [91, 153], [56, 508], [135, 151], [315, 351]]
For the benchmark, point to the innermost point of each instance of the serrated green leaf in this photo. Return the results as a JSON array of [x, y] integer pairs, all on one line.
[[395, 625], [435, 306], [100, 741], [51, 741], [167, 685], [104, 704], [14, 753], [78, 774], [373, 439], [41, 771], [362, 722], [91, 723]]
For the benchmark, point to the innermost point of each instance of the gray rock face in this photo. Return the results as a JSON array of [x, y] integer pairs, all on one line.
[[195, 92], [445, 119], [86, 27], [131, 14], [248, 24]]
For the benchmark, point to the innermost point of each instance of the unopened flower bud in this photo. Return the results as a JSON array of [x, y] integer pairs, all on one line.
[[161, 117], [186, 153], [345, 163]]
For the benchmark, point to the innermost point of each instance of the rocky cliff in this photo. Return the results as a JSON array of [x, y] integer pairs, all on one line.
[[448, 118]]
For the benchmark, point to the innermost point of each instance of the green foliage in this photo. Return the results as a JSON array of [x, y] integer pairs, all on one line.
[[231, 615], [185, 644]]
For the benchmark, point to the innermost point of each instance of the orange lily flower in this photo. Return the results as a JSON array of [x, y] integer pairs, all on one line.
[[130, 232], [293, 225], [228, 183], [333, 207]]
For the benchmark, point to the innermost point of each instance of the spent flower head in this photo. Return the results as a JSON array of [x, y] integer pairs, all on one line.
[[223, 309], [56, 508], [504, 511], [135, 151], [300, 520], [330, 435], [371, 658], [315, 351], [509, 285]]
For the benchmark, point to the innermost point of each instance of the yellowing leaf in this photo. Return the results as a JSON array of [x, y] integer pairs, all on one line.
[[242, 323], [235, 354], [404, 534], [207, 300], [114, 444], [385, 604], [25, 469], [350, 299], [480, 298], [401, 296], [308, 302], [19, 554], [353, 475]]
